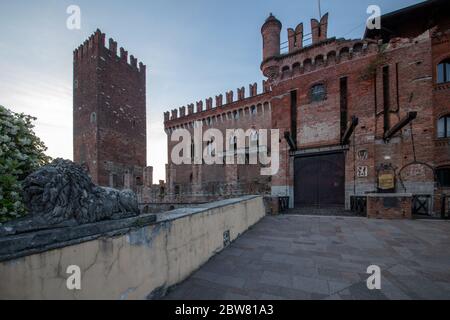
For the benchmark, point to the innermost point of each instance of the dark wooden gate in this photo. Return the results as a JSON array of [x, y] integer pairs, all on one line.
[[320, 180]]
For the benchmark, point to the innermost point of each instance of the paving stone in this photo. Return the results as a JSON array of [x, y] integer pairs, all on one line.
[[278, 279], [305, 257], [312, 285]]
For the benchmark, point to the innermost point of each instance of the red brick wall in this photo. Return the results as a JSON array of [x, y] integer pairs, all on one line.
[[113, 88], [389, 207], [412, 87]]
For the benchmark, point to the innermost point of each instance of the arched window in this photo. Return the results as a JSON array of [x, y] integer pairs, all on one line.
[[443, 176], [344, 52], [233, 142], [254, 139], [319, 60], [253, 110], [307, 64], [318, 92], [444, 127], [358, 47], [254, 135], [331, 56], [210, 148], [443, 71], [93, 117]]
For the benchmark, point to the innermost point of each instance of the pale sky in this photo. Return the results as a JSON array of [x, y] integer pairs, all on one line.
[[193, 49]]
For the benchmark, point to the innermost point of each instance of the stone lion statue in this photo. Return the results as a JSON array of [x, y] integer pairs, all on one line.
[[63, 191]]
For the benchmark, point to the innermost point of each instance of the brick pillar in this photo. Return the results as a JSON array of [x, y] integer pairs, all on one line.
[[282, 182], [231, 177], [172, 177], [197, 180]]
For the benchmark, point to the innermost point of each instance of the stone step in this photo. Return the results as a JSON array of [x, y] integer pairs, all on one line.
[[321, 211]]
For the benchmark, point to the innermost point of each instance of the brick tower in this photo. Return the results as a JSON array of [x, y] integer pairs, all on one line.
[[270, 32], [109, 113]]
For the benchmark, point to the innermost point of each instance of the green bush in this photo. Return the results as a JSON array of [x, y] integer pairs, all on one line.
[[21, 152]]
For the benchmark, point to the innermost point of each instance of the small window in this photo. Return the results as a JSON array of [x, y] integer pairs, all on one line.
[[233, 143], [115, 181], [318, 92], [444, 127], [139, 181], [192, 150], [443, 176], [93, 117], [254, 139], [253, 110], [319, 60], [75, 84], [236, 115], [210, 148], [443, 71]]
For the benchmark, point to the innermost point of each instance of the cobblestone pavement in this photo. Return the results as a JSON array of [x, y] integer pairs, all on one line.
[[308, 257]]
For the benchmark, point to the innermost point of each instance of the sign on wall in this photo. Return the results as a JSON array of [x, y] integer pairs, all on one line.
[[363, 154], [362, 171], [386, 178], [386, 181]]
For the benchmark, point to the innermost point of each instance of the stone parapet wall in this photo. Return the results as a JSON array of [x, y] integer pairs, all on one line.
[[139, 262]]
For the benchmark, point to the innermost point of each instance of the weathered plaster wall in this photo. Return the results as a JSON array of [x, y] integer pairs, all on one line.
[[140, 264]]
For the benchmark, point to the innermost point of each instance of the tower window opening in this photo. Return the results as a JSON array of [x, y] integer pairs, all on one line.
[[93, 117]]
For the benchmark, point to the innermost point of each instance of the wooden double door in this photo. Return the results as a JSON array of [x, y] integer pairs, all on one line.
[[319, 180]]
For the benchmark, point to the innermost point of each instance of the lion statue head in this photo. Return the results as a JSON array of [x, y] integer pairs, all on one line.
[[64, 191]]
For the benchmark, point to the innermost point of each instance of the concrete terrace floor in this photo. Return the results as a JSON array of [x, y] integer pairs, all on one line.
[[306, 257]]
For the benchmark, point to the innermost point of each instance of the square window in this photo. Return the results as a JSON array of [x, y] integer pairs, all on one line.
[[443, 177], [318, 92]]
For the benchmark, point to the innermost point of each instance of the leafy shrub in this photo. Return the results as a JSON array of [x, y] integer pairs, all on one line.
[[21, 152]]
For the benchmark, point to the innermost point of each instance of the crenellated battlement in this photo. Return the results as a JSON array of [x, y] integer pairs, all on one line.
[[90, 46], [324, 54], [219, 103], [95, 47]]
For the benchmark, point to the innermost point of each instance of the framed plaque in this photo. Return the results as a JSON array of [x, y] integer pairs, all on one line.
[[386, 179]]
